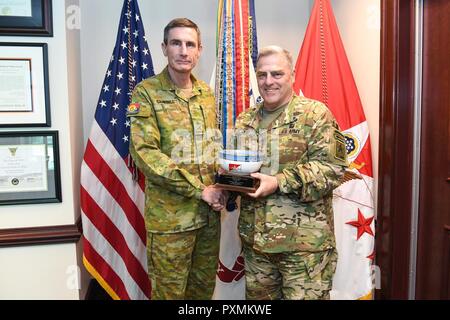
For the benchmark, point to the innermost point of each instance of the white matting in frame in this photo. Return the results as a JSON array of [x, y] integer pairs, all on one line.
[[24, 89]]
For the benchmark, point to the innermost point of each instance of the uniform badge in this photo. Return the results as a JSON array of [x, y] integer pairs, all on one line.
[[352, 145], [133, 108], [340, 151]]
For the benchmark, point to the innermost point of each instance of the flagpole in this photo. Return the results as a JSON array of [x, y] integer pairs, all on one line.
[[130, 55]]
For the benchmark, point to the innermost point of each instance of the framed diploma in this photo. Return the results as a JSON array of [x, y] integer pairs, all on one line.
[[26, 18], [29, 167], [24, 92]]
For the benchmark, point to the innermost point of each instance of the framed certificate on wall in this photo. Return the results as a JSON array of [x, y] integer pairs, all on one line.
[[29, 167], [24, 90], [26, 18]]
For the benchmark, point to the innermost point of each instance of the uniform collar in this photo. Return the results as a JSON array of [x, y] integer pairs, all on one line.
[[284, 118], [167, 84]]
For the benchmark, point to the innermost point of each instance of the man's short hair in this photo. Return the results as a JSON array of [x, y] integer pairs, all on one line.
[[181, 23], [269, 50]]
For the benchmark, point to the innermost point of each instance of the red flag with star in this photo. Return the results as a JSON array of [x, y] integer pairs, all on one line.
[[323, 73], [362, 224]]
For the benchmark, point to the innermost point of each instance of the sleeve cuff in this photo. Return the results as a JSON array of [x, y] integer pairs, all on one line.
[[198, 193], [282, 183]]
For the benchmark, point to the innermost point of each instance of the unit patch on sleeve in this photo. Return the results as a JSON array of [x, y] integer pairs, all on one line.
[[340, 150], [133, 108]]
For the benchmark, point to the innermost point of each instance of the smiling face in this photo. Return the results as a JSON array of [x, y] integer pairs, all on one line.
[[275, 80], [182, 49]]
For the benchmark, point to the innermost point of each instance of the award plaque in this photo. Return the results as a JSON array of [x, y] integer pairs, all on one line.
[[235, 182], [237, 165]]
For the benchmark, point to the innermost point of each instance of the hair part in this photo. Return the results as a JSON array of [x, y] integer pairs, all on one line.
[[270, 50], [181, 23]]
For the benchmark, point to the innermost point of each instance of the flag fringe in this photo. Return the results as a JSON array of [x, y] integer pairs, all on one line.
[[99, 279], [368, 296]]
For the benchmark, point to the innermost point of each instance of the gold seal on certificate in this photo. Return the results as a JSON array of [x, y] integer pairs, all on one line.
[[17, 8], [23, 168], [237, 166]]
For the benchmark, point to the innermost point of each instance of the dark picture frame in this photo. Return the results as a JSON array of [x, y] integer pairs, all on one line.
[[35, 22], [25, 101], [29, 167]]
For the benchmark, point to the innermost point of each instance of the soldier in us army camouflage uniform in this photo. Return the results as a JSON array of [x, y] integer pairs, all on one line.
[[286, 225], [172, 115]]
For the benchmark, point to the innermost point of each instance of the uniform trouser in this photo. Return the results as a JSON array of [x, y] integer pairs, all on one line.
[[289, 275], [183, 265]]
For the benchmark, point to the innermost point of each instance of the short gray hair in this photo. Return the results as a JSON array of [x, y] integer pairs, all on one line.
[[269, 50]]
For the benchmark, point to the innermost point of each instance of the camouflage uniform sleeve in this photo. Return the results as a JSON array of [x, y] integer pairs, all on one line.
[[327, 160], [145, 149]]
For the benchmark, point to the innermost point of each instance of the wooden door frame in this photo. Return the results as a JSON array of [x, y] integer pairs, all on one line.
[[393, 227]]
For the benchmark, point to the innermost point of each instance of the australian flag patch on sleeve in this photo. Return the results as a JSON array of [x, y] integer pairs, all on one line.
[[133, 108]]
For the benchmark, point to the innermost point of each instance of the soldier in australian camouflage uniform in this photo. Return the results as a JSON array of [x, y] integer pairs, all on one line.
[[286, 225], [172, 115]]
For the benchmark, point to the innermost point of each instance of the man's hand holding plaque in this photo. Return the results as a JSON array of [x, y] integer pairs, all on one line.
[[237, 167]]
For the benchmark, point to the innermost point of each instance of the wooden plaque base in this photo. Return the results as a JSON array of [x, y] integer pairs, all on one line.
[[235, 182]]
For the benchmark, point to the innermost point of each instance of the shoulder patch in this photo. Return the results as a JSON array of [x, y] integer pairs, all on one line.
[[133, 108], [340, 151]]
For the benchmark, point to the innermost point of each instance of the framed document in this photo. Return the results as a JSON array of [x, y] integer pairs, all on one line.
[[26, 18], [24, 92], [29, 167]]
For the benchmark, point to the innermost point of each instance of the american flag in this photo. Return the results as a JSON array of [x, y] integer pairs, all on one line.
[[112, 202]]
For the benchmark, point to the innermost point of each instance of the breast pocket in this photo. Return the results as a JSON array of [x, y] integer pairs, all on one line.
[[174, 115]]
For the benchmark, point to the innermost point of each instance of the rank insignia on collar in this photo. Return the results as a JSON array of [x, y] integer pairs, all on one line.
[[133, 108]]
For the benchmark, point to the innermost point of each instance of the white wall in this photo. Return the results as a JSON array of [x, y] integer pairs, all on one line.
[[73, 45], [39, 272], [282, 23]]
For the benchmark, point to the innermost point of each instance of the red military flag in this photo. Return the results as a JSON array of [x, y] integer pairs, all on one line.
[[323, 73], [112, 201]]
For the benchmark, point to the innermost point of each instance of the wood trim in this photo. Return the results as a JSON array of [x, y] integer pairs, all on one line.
[[396, 147], [40, 235], [434, 213], [445, 288]]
